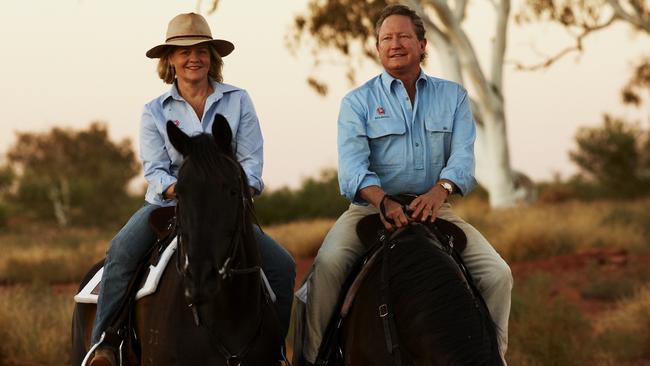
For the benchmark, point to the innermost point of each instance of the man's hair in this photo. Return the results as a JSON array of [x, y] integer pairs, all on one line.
[[398, 9], [168, 74]]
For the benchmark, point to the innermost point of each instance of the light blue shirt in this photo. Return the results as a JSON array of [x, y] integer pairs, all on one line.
[[161, 161], [384, 141]]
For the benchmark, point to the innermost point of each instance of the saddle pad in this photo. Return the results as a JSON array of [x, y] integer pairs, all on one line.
[[90, 292]]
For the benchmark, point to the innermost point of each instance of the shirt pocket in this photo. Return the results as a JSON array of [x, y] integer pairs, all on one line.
[[438, 129], [387, 141]]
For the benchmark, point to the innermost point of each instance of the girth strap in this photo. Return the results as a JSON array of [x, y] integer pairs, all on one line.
[[385, 307]]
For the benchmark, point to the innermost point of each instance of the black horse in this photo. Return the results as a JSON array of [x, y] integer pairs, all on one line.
[[417, 304], [212, 309]]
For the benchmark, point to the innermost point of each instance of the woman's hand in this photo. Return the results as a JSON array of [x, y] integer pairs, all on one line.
[[170, 192]]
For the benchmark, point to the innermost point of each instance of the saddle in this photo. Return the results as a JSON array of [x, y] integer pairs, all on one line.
[[372, 233], [120, 332]]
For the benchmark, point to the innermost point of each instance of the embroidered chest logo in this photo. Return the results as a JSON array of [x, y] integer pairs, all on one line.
[[177, 123], [380, 112]]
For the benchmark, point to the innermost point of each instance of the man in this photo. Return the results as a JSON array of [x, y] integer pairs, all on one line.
[[403, 132]]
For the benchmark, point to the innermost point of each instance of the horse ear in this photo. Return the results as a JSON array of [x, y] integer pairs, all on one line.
[[180, 141], [222, 134]]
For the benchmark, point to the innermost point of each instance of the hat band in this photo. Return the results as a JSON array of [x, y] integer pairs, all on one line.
[[189, 36]]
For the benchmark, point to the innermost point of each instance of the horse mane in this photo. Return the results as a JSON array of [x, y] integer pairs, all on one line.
[[427, 288]]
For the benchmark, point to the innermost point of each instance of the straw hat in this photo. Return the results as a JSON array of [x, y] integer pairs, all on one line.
[[188, 30]]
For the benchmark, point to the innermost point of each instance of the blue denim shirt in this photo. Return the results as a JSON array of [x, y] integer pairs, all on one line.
[[161, 161], [384, 141]]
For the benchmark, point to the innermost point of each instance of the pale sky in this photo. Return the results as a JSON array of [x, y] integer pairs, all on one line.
[[70, 62]]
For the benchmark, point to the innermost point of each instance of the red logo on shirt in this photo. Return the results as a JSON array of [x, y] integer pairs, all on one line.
[[380, 111], [177, 123]]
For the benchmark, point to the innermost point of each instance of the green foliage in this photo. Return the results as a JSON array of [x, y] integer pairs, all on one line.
[[316, 198], [6, 180], [615, 157], [75, 177]]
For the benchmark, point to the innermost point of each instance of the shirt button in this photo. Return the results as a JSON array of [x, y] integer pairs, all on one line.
[[417, 144]]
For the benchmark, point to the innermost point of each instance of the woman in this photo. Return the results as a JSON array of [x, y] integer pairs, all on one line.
[[190, 60]]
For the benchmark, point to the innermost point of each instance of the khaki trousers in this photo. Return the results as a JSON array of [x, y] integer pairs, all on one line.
[[342, 248]]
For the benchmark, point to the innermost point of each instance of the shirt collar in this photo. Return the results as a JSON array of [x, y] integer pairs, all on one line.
[[388, 80], [219, 90]]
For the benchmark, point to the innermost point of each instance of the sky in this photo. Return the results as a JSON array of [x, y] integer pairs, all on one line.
[[67, 63]]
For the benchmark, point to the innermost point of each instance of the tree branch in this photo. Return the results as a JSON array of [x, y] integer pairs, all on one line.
[[468, 57], [500, 42], [575, 48], [636, 20], [460, 10]]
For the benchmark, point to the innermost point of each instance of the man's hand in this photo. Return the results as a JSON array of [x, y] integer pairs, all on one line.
[[394, 213], [426, 205], [393, 210]]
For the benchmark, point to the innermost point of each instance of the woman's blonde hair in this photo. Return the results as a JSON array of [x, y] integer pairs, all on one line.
[[167, 73]]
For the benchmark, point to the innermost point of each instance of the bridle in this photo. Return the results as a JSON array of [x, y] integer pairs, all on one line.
[[225, 271]]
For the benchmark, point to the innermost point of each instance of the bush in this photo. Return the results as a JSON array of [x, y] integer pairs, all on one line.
[[316, 198], [73, 177], [616, 157]]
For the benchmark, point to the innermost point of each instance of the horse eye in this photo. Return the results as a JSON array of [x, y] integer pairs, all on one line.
[[234, 193]]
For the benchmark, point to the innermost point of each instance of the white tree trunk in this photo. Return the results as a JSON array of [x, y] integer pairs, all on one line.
[[493, 161], [59, 194], [459, 59]]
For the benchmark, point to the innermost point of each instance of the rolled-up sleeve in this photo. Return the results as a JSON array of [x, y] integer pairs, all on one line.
[[354, 152], [249, 143], [461, 162], [153, 153]]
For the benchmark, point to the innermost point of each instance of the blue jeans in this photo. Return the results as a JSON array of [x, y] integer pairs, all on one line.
[[132, 242]]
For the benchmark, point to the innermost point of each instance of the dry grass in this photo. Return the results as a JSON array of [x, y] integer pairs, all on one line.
[[301, 238], [542, 231], [623, 332], [34, 326], [49, 254]]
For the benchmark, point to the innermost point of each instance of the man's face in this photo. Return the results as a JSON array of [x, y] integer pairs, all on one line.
[[398, 47]]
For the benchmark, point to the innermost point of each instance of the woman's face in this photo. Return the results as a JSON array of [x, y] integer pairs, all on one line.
[[192, 63]]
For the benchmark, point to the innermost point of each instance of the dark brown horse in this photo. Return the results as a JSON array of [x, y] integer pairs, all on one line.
[[211, 308], [417, 305]]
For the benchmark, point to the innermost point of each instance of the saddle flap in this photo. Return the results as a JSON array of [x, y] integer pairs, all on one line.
[[161, 221]]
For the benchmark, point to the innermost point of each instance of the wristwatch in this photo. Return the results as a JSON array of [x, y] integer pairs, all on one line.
[[447, 186]]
